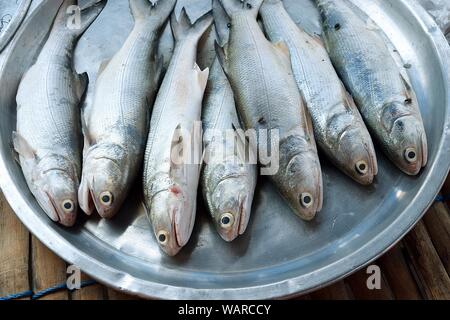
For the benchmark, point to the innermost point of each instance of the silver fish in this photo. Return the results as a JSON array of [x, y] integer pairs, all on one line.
[[116, 125], [339, 129], [381, 89], [171, 177], [228, 180], [48, 137], [267, 98]]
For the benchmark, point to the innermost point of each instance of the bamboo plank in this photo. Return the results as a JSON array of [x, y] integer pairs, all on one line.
[[399, 276], [336, 291], [48, 271], [93, 292], [433, 277], [14, 249], [358, 285], [437, 222]]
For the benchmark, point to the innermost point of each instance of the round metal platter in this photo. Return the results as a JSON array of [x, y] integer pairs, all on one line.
[[280, 255]]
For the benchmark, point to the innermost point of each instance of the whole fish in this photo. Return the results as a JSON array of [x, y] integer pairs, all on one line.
[[116, 125], [339, 129], [381, 89], [171, 177], [267, 98], [48, 137], [228, 180]]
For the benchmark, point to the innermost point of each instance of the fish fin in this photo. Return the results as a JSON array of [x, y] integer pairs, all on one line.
[[143, 9], [157, 71], [349, 102], [103, 66], [82, 84], [221, 55], [310, 128], [182, 27], [69, 11], [202, 76], [85, 200], [221, 23], [22, 146], [232, 6]]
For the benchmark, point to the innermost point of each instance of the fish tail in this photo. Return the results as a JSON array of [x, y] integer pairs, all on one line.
[[183, 28], [221, 23], [143, 9], [232, 6], [74, 19]]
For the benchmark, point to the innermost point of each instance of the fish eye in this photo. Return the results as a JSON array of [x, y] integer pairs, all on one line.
[[163, 237], [68, 206], [106, 198], [362, 167], [411, 155], [306, 200], [226, 220]]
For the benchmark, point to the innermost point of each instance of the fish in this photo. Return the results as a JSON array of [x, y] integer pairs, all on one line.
[[11, 28], [268, 100], [171, 177], [380, 87], [116, 125], [48, 135], [228, 180], [339, 129]]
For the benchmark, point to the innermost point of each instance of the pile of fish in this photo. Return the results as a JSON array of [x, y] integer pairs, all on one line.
[[293, 90]]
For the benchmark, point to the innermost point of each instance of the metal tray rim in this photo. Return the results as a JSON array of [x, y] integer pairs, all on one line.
[[287, 288]]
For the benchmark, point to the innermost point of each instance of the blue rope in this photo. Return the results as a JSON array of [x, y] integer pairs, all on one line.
[[45, 292]]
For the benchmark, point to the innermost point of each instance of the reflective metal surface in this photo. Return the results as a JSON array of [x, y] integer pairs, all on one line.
[[280, 255]]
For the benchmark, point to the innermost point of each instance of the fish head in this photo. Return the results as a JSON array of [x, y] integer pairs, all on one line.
[[301, 184], [406, 143], [172, 218], [230, 205], [56, 191], [356, 155], [105, 181]]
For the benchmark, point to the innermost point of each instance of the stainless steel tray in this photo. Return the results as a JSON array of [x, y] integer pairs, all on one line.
[[280, 255]]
